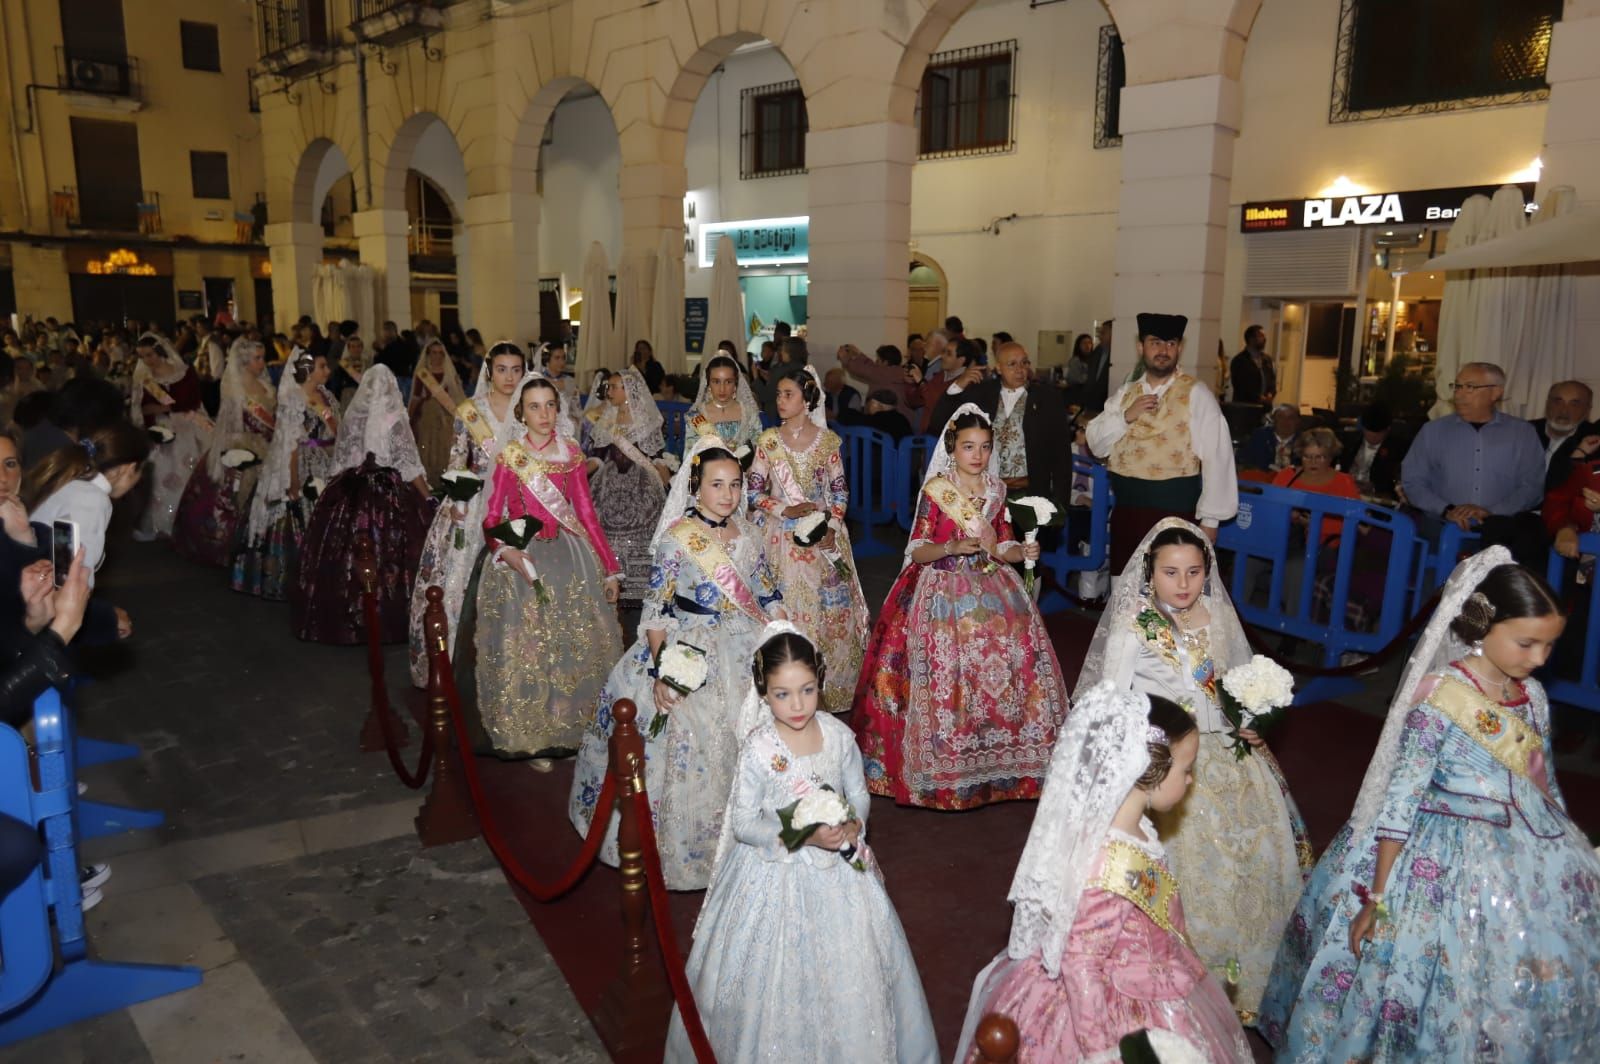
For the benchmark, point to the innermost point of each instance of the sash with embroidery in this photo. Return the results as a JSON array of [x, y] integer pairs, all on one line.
[[956, 506], [157, 392], [702, 425], [534, 473], [435, 388], [258, 410], [712, 558], [620, 440], [1505, 736], [1131, 874], [477, 425], [326, 414]]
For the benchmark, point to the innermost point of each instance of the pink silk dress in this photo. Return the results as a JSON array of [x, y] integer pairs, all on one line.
[[509, 498], [1121, 972]]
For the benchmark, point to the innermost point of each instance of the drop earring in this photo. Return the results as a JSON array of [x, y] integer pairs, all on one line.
[[1477, 649]]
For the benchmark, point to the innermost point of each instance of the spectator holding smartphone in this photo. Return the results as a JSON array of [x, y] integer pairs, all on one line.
[[78, 483]]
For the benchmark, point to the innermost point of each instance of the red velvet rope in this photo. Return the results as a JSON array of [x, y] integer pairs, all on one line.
[[669, 942], [380, 704], [491, 829], [1394, 646]]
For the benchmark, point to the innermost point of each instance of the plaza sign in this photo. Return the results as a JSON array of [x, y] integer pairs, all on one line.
[[763, 242], [1383, 208]]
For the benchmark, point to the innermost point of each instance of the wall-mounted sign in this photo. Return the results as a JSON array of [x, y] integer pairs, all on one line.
[[122, 261], [126, 262], [763, 242], [1378, 208], [695, 311], [191, 299]]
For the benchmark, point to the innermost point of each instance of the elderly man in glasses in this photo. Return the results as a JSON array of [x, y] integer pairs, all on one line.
[[1480, 469]]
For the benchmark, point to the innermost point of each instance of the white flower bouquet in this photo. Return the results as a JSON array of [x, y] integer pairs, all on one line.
[[670, 460], [822, 807], [1028, 514], [239, 458], [313, 488], [811, 530], [745, 455], [682, 667], [459, 486], [161, 434], [517, 533], [1254, 696]]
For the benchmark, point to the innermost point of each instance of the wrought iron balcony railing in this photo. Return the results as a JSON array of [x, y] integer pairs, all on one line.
[[97, 73]]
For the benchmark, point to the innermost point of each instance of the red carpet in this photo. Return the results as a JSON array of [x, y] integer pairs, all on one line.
[[948, 873]]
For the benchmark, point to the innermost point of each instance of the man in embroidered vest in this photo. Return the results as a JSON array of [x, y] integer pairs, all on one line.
[[1031, 431], [1165, 444]]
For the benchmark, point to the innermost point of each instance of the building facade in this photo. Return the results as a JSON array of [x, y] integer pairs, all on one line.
[[136, 188]]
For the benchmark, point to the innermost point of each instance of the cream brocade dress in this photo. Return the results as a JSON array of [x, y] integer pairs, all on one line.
[[1237, 842]]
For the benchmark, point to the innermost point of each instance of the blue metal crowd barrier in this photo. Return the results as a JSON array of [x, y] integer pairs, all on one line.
[[1263, 531], [672, 414], [1065, 558], [44, 915], [871, 470], [911, 462], [1585, 691]]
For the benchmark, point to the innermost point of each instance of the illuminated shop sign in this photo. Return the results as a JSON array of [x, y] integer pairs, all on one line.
[[1379, 208], [763, 242], [122, 261]]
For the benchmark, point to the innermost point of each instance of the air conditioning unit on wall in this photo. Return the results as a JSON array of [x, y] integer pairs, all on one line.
[[92, 75]]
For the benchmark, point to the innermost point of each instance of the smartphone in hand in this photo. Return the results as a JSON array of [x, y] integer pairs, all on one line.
[[63, 548]]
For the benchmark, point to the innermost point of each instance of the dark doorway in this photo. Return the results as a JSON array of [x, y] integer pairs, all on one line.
[[264, 302], [219, 297], [8, 294], [115, 298]]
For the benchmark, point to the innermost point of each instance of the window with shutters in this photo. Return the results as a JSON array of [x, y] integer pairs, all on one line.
[[200, 48], [209, 172], [966, 105], [1401, 57], [106, 157], [772, 130], [1112, 79]]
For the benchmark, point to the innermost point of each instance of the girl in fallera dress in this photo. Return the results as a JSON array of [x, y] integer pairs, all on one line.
[[1098, 946], [377, 490], [626, 474], [436, 395], [725, 408], [456, 535], [797, 471], [799, 953], [1456, 916], [554, 360], [539, 629], [166, 395], [960, 693], [711, 588], [301, 454], [218, 497], [1237, 842]]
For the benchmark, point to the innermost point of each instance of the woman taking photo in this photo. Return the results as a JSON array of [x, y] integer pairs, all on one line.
[[78, 483]]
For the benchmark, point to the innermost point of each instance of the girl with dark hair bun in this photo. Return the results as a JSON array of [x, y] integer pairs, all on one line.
[[725, 407], [774, 919], [797, 479], [1456, 916]]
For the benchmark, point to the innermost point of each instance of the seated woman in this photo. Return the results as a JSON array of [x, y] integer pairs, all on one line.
[[378, 490], [299, 464], [166, 399], [218, 496], [625, 474]]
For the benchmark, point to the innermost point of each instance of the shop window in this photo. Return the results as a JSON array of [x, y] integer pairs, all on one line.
[[966, 105], [772, 130], [1113, 77], [200, 48], [1401, 57], [209, 171]]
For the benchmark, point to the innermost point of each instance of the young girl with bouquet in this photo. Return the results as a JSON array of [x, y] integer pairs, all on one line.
[[798, 950], [960, 693], [1099, 947], [1238, 842], [1457, 915]]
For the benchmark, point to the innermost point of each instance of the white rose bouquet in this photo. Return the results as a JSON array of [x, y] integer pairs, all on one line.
[[1254, 696], [670, 460], [239, 458], [811, 530], [459, 486], [517, 533], [1028, 514], [161, 434], [682, 667], [745, 455], [822, 807]]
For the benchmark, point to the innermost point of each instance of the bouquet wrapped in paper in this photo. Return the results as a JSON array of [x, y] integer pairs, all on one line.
[[1028, 514], [822, 807], [517, 533], [459, 486], [682, 667], [1254, 696], [239, 458]]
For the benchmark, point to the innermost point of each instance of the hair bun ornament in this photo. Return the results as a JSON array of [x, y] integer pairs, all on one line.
[[88, 447], [1481, 602], [1154, 733]]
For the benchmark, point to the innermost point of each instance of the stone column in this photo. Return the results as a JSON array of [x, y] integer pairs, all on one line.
[[1177, 163], [295, 250], [860, 189], [381, 239], [503, 249], [652, 204]]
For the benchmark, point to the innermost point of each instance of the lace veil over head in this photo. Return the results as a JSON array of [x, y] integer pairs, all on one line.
[[819, 413], [376, 424], [679, 497], [644, 428], [1115, 647], [173, 367], [943, 463], [273, 485], [749, 409], [236, 392], [514, 429]]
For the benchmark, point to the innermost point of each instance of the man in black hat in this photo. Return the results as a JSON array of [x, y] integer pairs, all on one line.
[[1165, 444]]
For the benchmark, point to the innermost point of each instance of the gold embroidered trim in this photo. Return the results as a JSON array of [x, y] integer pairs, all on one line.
[[1507, 738], [1130, 873]]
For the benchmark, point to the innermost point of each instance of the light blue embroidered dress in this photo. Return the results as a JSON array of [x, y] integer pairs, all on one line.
[[800, 956], [689, 766], [1492, 952]]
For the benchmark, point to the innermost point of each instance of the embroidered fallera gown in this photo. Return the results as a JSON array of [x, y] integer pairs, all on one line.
[[533, 663], [217, 499], [827, 606], [264, 564], [714, 598], [628, 493], [960, 693], [1492, 948], [800, 950], [172, 462]]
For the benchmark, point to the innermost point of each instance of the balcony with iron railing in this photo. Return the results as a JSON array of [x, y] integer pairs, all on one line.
[[432, 247], [390, 22], [97, 73], [293, 36], [116, 213]]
